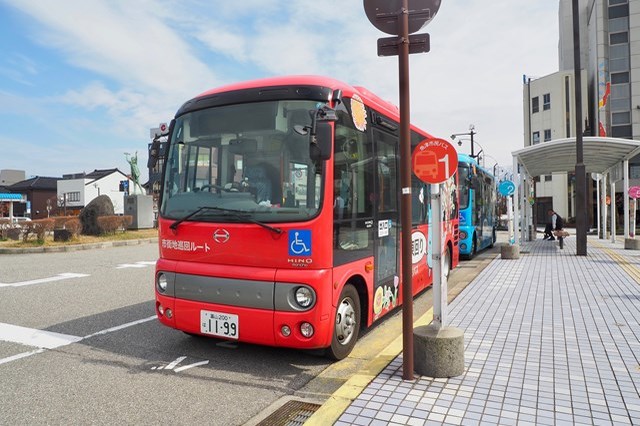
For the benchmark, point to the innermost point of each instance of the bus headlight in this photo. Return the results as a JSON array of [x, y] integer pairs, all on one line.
[[162, 283], [304, 297], [463, 235]]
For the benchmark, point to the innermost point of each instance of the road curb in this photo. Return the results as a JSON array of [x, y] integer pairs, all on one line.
[[331, 410], [76, 247]]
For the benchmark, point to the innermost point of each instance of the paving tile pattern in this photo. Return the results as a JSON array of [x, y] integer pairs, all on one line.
[[550, 339]]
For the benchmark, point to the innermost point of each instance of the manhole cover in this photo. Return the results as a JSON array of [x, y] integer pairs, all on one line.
[[293, 413]]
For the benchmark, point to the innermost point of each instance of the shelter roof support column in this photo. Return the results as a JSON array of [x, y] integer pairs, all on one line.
[[613, 211], [598, 204], [516, 210], [625, 197], [523, 206], [604, 206]]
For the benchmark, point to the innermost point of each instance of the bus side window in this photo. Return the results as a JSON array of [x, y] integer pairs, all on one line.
[[352, 185]]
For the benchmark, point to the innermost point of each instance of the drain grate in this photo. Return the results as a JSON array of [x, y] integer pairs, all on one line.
[[293, 413]]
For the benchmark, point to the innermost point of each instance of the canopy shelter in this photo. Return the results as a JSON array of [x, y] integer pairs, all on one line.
[[608, 157], [12, 198]]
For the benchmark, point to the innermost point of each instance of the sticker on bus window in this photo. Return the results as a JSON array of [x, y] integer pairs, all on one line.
[[383, 228], [359, 113], [300, 242]]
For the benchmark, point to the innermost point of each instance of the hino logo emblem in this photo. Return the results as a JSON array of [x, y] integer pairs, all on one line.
[[221, 236]]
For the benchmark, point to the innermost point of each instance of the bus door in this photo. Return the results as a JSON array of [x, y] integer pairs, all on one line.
[[386, 217]]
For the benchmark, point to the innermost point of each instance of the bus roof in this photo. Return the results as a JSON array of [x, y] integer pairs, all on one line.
[[369, 98], [464, 158]]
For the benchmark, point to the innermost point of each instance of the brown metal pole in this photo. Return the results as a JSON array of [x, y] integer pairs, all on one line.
[[405, 205], [580, 171]]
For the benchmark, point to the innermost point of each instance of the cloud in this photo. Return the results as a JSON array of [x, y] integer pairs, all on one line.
[[120, 40], [19, 68], [146, 57]]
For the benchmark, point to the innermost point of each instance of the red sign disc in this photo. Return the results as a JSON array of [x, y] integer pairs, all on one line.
[[634, 192], [434, 160]]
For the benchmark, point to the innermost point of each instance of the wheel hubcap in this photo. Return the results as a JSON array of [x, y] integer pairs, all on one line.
[[345, 321]]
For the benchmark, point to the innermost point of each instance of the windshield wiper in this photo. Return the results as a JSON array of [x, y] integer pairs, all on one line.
[[240, 214], [175, 224]]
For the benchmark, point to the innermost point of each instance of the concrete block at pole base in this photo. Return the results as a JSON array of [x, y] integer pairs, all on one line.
[[631, 244], [508, 251], [438, 352]]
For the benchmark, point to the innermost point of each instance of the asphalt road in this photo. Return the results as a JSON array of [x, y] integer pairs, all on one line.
[[79, 344]]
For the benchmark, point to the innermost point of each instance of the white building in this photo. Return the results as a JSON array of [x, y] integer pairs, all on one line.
[[610, 61], [549, 113], [76, 191]]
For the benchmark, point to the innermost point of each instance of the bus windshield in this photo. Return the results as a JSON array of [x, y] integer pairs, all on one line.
[[245, 157], [463, 185]]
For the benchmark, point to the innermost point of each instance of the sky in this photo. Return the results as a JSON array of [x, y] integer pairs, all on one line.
[[83, 81]]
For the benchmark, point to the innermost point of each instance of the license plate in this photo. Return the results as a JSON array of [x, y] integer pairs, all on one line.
[[219, 324]]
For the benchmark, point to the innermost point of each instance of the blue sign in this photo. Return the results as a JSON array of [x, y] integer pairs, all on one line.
[[10, 197], [300, 242], [506, 188]]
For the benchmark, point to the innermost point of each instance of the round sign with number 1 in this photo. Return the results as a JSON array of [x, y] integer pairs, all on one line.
[[434, 160]]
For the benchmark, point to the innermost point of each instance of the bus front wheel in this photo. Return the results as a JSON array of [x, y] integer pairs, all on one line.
[[346, 325]]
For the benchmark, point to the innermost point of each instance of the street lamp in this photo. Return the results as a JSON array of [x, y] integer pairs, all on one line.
[[473, 144], [471, 132], [493, 158]]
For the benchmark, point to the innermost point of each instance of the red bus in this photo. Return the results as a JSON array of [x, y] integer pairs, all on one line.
[[279, 215]]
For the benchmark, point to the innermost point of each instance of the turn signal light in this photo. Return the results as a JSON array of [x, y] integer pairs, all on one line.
[[368, 267]]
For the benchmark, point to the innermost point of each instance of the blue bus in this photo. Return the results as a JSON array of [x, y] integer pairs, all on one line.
[[477, 192]]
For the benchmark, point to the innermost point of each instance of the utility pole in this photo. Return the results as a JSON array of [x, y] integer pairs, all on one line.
[[580, 171]]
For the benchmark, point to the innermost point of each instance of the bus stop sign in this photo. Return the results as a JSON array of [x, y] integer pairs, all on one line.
[[434, 160], [506, 188], [385, 14]]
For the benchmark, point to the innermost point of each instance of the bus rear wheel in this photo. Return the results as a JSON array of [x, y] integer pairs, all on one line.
[[346, 325], [474, 249]]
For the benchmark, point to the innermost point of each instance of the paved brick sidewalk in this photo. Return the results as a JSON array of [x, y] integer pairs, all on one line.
[[550, 338]]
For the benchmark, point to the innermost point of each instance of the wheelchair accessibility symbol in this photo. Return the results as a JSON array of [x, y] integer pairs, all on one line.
[[300, 242]]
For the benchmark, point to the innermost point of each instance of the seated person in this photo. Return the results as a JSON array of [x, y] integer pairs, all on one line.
[[257, 178]]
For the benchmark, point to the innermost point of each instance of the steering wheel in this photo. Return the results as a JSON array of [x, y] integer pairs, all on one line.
[[218, 188]]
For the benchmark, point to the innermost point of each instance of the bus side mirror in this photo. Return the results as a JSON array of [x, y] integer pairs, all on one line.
[[319, 132], [320, 146], [154, 152]]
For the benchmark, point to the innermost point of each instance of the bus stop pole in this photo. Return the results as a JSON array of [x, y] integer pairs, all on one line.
[[439, 285], [405, 206]]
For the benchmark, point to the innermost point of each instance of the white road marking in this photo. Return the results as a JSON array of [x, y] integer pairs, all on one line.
[[175, 362], [142, 264], [33, 337], [120, 327], [47, 339], [64, 276], [195, 364], [20, 356]]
